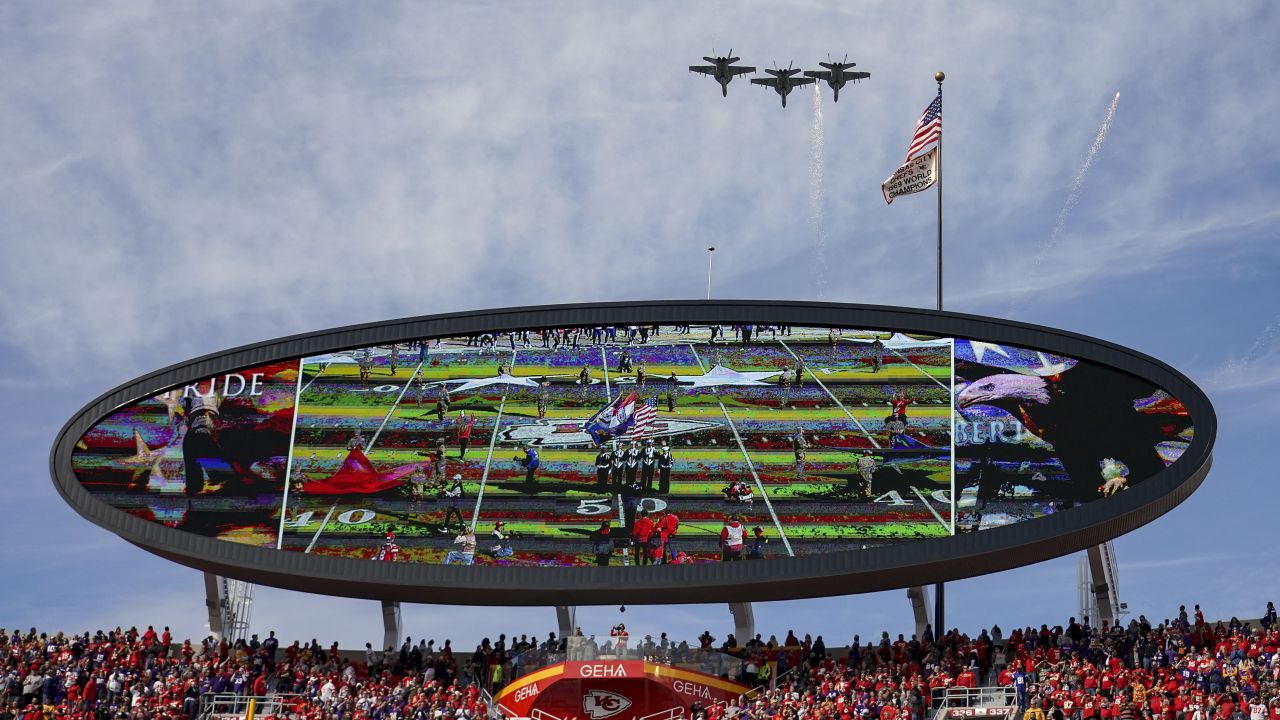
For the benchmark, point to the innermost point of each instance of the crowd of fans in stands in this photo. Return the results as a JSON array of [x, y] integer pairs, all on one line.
[[1183, 669]]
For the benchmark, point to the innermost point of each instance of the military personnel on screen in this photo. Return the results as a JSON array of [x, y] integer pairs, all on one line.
[[604, 462]]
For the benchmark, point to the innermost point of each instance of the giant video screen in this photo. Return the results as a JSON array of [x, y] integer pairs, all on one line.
[[632, 445]]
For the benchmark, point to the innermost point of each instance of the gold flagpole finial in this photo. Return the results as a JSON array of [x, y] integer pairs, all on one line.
[[939, 76]]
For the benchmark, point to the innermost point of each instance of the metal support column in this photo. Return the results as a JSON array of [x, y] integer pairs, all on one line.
[[214, 602], [392, 630], [566, 620], [744, 621], [1106, 582], [919, 597]]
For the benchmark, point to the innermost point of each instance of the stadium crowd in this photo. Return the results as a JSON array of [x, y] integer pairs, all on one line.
[[1180, 669]]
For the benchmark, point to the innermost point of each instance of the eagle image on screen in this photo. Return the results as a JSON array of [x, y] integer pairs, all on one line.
[[632, 445]]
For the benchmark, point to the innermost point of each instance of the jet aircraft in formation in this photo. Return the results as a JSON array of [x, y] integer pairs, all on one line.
[[835, 74], [722, 69]]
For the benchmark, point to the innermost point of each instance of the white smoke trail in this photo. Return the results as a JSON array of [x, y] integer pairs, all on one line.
[[817, 161], [1264, 341], [1073, 197]]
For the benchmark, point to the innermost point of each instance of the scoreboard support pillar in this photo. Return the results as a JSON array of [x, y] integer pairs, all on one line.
[[566, 620], [213, 603], [744, 621], [919, 598], [1105, 576], [391, 624]]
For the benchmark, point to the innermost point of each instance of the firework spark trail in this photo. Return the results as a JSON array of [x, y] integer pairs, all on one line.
[[1073, 197], [817, 161]]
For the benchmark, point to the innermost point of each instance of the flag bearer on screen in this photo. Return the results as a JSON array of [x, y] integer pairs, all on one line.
[[648, 463], [664, 469], [619, 467], [603, 462]]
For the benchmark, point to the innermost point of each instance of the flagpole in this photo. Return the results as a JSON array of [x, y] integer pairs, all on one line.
[[940, 76], [939, 589]]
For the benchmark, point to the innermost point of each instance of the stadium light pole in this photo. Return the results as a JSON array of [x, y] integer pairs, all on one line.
[[711, 253]]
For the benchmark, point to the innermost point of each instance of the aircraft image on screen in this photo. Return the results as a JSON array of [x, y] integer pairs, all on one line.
[[783, 82], [837, 74], [722, 70]]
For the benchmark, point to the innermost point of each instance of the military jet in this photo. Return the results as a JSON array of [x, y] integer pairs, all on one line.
[[837, 74], [722, 70], [783, 82]]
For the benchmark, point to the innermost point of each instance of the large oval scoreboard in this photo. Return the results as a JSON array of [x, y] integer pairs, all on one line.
[[639, 452]]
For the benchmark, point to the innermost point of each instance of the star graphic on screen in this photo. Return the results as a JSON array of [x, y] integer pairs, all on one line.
[[143, 457], [171, 400], [719, 376], [500, 379], [980, 349]]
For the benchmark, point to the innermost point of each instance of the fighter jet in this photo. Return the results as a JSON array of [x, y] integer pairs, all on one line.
[[783, 82], [837, 74], [722, 70]]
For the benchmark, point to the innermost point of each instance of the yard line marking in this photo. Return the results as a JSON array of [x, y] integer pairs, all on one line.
[[288, 463], [493, 438], [320, 529], [832, 396], [368, 448], [950, 530], [917, 367], [750, 466]]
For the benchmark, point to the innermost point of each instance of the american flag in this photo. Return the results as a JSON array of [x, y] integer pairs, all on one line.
[[929, 129], [645, 413]]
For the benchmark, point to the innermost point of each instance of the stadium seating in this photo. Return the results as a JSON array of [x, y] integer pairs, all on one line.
[[1183, 669]]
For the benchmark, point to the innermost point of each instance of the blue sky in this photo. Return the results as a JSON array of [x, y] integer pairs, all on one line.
[[180, 178]]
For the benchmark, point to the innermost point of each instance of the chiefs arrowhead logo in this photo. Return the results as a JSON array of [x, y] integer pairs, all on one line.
[[600, 704]]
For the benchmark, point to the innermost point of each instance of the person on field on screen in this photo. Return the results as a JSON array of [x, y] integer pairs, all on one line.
[[799, 444], [453, 497], [619, 467], [897, 429], [530, 463], [544, 396], [500, 541], [633, 464], [466, 550], [756, 550], [732, 537], [877, 355], [866, 466], [389, 551], [442, 404], [464, 425], [365, 363], [394, 359], [356, 442], [648, 463], [642, 375], [602, 543], [642, 532], [664, 469], [604, 461]]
